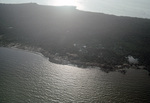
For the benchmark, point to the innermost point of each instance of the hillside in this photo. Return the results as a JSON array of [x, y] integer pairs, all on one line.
[[82, 38]]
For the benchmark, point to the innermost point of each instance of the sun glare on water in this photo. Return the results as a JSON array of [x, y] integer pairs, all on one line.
[[64, 2]]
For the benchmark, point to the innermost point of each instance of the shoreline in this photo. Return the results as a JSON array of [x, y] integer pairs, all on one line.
[[77, 63], [79, 9]]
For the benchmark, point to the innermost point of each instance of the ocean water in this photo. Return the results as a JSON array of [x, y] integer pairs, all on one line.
[[27, 77], [132, 8]]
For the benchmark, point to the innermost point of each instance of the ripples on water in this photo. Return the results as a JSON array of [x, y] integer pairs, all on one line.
[[30, 78]]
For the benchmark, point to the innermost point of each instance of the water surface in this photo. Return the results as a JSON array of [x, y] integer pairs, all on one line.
[[27, 77]]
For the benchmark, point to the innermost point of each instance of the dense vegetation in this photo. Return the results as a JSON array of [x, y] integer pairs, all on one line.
[[75, 35]]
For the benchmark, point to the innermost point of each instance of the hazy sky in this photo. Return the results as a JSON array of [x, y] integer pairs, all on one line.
[[134, 8]]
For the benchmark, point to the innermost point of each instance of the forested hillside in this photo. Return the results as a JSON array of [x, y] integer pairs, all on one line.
[[76, 36]]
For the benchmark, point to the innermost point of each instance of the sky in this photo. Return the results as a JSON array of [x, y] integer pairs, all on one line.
[[133, 8]]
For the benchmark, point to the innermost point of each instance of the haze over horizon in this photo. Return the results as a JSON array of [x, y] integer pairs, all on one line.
[[131, 8]]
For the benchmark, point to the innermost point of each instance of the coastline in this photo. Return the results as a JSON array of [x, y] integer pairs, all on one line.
[[76, 7], [77, 63]]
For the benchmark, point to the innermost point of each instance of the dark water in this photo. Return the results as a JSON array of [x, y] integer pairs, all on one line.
[[26, 77]]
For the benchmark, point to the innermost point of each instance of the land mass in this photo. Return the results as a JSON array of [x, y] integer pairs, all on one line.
[[68, 36]]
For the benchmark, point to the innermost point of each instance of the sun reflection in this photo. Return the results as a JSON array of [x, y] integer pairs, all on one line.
[[64, 2], [76, 3]]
